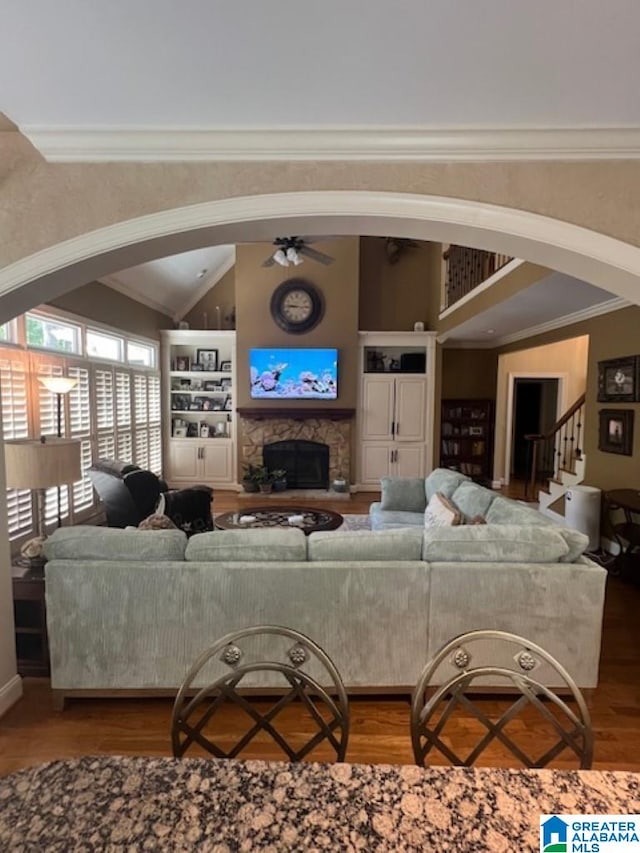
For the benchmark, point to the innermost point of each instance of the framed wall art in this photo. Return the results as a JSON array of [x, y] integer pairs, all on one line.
[[616, 431], [619, 380]]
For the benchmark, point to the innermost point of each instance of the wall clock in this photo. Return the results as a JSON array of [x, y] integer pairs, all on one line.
[[297, 305]]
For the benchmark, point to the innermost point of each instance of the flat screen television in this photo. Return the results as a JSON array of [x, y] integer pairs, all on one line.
[[293, 374]]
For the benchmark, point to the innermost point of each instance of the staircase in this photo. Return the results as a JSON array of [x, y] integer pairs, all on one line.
[[557, 460]]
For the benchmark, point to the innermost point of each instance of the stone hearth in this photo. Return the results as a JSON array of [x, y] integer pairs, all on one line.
[[258, 431]]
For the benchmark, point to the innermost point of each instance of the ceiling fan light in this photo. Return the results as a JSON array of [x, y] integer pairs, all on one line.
[[293, 256], [280, 258]]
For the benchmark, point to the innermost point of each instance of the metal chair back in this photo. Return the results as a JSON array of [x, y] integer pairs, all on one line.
[[446, 719], [295, 667]]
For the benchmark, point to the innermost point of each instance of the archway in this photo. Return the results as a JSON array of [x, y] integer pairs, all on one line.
[[593, 257]]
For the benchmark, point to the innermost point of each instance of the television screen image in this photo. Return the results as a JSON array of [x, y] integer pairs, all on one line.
[[294, 374]]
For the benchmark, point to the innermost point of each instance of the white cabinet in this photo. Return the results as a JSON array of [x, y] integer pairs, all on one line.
[[395, 411], [198, 372]]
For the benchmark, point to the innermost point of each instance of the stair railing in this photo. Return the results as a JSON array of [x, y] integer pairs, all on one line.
[[556, 449]]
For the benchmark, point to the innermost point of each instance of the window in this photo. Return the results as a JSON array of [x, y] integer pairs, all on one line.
[[102, 345], [51, 333], [141, 355], [114, 409]]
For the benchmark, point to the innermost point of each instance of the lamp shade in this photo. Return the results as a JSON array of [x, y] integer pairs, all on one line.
[[39, 464], [59, 384]]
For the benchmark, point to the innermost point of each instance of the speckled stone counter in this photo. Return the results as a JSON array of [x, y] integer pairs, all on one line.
[[137, 804]]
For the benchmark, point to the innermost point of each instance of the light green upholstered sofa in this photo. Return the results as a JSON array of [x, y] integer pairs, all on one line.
[[129, 611]]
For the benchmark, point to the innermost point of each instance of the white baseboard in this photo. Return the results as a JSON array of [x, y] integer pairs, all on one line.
[[10, 693], [497, 484]]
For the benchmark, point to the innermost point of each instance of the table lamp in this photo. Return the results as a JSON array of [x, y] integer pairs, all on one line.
[[59, 385], [39, 464]]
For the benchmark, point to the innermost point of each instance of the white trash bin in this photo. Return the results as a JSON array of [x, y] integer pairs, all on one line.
[[582, 511]]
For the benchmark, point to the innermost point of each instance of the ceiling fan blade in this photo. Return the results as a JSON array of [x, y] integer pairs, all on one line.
[[315, 255]]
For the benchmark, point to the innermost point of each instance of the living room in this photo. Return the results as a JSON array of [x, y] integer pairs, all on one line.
[[93, 185]]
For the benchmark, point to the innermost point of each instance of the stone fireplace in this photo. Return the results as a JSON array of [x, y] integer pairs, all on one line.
[[330, 427]]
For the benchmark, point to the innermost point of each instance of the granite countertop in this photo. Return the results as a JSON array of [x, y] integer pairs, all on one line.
[[136, 804]]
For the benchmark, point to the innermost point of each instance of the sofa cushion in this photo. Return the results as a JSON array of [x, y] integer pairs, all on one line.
[[506, 511], [261, 545], [443, 480], [498, 543], [576, 541], [370, 545], [405, 494], [86, 542], [473, 500], [381, 519], [440, 512]]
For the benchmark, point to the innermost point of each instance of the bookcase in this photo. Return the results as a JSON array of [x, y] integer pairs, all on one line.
[[466, 437]]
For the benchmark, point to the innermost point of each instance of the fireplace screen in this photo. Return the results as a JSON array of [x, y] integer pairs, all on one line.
[[306, 462]]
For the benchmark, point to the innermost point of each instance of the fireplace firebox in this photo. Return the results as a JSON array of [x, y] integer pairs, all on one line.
[[306, 462]]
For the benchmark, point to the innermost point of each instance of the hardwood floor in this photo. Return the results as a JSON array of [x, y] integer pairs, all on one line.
[[31, 732]]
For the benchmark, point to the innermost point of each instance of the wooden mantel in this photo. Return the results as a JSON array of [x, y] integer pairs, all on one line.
[[297, 414]]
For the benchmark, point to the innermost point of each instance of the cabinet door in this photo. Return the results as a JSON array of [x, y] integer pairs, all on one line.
[[377, 408], [216, 462], [376, 462], [410, 409], [409, 460], [184, 461]]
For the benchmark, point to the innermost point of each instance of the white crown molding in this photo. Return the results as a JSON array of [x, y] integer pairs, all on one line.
[[530, 332], [114, 283], [99, 144], [206, 285]]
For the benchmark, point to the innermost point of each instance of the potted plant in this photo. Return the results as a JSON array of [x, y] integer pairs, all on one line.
[[340, 484], [251, 477], [265, 482], [279, 479]]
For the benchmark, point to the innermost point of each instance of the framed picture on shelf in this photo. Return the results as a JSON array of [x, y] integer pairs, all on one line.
[[216, 405], [204, 403], [227, 405], [207, 358], [183, 362], [476, 430], [192, 429], [194, 406], [180, 432], [180, 402], [616, 431], [619, 380], [211, 385], [225, 366], [225, 385]]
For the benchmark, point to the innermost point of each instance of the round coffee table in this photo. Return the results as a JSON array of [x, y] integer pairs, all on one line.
[[309, 519]]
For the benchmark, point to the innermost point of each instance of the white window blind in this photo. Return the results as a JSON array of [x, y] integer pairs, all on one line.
[[15, 424], [80, 422], [105, 399]]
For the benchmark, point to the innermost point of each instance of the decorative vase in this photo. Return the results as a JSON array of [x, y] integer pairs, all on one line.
[[249, 486], [340, 485], [279, 485]]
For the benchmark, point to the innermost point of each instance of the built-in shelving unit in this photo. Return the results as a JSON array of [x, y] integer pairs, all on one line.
[[466, 437], [198, 370]]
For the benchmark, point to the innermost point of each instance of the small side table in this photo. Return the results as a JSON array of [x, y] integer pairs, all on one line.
[[628, 500], [32, 644]]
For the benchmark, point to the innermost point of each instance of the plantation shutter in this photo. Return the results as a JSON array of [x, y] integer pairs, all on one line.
[[15, 424], [141, 410], [80, 427], [155, 432]]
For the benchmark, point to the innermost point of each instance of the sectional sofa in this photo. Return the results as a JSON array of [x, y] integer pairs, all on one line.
[[129, 611]]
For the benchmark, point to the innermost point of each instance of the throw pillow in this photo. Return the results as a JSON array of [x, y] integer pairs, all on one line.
[[156, 522], [440, 512]]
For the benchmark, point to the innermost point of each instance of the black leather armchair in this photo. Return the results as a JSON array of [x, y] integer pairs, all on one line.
[[130, 494]]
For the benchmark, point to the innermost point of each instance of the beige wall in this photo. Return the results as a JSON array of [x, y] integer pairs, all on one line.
[[96, 301], [394, 296], [610, 336], [568, 357], [42, 203], [223, 296], [469, 373], [338, 327]]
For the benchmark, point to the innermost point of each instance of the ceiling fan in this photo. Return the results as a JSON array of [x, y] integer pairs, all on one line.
[[293, 250]]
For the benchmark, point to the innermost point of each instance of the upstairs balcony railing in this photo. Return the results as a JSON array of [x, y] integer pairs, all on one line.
[[466, 269]]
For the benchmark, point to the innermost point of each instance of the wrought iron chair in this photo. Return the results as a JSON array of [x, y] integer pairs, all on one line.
[[462, 667], [255, 659]]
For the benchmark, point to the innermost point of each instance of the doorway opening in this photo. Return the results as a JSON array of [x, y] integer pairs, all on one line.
[[535, 410]]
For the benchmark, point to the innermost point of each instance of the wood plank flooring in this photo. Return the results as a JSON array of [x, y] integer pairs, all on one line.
[[31, 732]]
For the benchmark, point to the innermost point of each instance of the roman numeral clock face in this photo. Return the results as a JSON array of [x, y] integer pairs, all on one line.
[[297, 306]]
